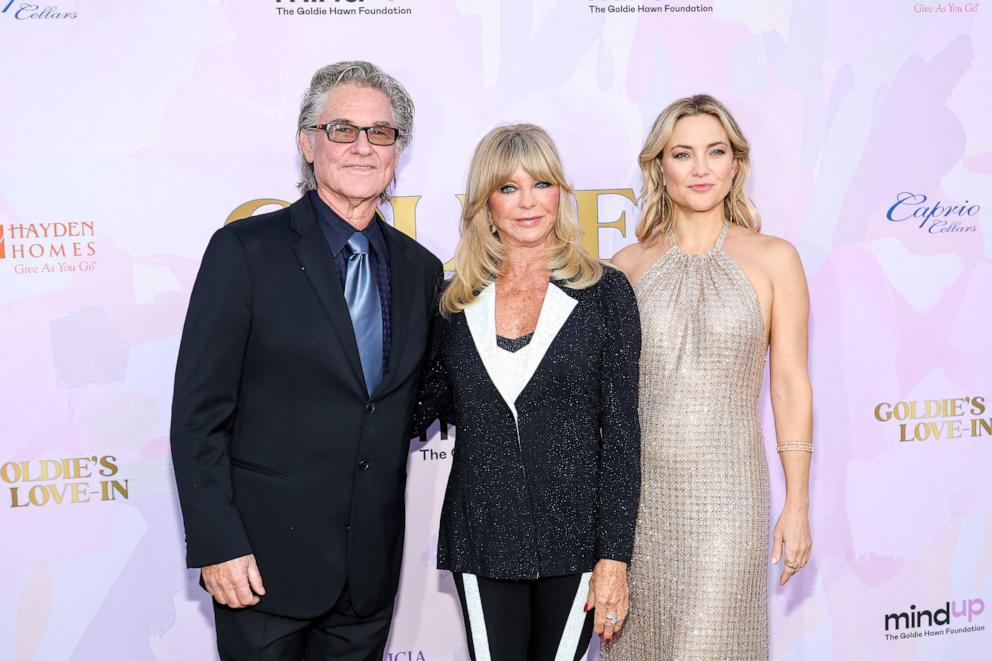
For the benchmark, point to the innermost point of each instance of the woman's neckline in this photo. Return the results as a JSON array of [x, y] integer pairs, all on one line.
[[717, 246]]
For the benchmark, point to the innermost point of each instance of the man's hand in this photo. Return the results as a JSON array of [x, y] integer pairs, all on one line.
[[235, 583]]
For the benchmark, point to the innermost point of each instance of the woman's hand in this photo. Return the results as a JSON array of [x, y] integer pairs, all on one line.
[[610, 596], [792, 534]]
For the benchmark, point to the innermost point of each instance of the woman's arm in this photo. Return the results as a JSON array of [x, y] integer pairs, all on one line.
[[792, 403], [620, 455], [620, 451], [434, 400]]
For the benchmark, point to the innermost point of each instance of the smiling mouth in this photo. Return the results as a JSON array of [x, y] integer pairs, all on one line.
[[701, 186]]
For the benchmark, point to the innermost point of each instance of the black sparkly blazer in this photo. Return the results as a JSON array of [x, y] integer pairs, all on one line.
[[547, 483]]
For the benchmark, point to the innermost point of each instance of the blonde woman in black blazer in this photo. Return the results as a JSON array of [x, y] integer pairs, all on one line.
[[534, 358]]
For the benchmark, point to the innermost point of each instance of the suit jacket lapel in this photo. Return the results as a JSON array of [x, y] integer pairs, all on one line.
[[555, 311], [481, 319], [401, 283], [318, 264]]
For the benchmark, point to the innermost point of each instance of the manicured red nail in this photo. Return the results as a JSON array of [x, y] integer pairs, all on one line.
[[585, 608]]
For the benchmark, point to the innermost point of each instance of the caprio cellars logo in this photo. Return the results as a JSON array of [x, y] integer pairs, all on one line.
[[933, 216], [26, 11]]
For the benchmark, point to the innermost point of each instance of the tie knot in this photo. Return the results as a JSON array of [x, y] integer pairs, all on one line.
[[358, 244]]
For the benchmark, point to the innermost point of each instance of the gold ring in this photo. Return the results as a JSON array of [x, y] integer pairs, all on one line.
[[794, 566]]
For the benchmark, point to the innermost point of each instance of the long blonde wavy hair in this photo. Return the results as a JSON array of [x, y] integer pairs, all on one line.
[[657, 209], [479, 254]]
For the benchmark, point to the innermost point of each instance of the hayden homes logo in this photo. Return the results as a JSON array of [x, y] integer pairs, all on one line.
[[53, 247], [953, 617], [27, 11]]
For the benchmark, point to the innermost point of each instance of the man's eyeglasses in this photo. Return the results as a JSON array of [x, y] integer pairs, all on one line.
[[382, 136]]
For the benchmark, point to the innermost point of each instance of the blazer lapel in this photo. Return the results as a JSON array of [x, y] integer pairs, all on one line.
[[555, 311], [318, 264], [481, 319], [401, 283]]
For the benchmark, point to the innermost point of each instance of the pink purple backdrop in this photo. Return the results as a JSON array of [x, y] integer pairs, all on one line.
[[131, 130]]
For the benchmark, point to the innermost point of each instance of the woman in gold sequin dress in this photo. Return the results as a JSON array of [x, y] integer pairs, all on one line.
[[714, 297]]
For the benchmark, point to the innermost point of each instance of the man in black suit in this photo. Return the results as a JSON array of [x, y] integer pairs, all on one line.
[[295, 385]]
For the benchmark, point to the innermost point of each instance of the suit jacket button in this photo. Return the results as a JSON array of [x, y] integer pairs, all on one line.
[[363, 464], [370, 407]]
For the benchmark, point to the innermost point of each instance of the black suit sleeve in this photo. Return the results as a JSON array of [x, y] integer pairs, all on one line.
[[434, 400], [208, 379], [620, 456]]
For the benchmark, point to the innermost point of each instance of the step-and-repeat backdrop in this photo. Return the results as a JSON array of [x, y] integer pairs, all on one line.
[[131, 130]]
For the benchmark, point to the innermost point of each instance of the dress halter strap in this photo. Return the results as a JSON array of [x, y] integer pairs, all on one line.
[[723, 235], [670, 235]]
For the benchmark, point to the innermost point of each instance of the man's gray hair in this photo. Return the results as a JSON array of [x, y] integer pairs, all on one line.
[[362, 74]]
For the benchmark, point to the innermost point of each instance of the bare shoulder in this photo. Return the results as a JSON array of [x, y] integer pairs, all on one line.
[[781, 256], [773, 253], [627, 256], [634, 260]]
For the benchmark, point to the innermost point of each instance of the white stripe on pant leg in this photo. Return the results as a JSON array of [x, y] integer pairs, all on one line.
[[569, 642], [476, 619]]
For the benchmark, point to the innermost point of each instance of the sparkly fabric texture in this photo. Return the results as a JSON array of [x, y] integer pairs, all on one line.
[[699, 571], [513, 344], [550, 486]]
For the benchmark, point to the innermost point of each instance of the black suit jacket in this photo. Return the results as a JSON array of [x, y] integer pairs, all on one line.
[[544, 481], [278, 448]]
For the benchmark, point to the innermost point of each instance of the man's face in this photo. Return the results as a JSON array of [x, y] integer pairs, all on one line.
[[350, 174]]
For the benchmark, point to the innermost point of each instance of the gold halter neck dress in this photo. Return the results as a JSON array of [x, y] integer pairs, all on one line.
[[699, 571]]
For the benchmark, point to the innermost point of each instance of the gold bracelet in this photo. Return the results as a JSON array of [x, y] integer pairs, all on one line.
[[795, 445]]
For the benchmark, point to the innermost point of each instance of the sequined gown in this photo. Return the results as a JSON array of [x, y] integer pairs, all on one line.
[[699, 570]]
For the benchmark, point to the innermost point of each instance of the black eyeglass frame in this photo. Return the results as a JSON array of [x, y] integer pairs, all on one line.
[[326, 128]]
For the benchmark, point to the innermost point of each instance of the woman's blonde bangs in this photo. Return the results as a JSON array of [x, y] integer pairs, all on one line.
[[499, 162]]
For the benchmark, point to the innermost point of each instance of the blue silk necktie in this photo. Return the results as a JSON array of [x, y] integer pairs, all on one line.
[[362, 295]]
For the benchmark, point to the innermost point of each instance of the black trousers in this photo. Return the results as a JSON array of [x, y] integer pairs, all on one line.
[[244, 634], [538, 620]]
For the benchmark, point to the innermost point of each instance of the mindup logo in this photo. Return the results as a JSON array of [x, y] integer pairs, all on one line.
[[914, 618]]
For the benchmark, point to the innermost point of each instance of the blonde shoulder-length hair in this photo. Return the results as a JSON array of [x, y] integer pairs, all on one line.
[[657, 209], [479, 254]]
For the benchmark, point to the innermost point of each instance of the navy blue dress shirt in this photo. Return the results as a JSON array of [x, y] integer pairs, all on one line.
[[337, 231]]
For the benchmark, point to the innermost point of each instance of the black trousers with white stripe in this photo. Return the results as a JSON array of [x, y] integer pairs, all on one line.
[[536, 620]]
